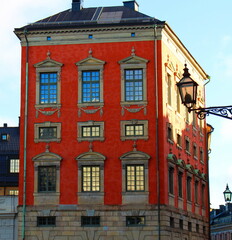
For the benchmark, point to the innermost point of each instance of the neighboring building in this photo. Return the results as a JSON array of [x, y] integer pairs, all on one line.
[[9, 169], [109, 150], [221, 222]]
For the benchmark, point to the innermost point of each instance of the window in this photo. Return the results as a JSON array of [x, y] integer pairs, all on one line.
[[14, 165], [189, 226], [135, 178], [181, 224], [90, 86], [180, 184], [48, 74], [47, 132], [172, 222], [46, 221], [133, 80], [134, 129], [47, 179], [48, 88], [90, 36], [135, 221], [133, 85], [187, 145], [203, 195], [14, 192], [195, 150], [91, 130], [171, 180], [189, 193], [90, 81], [4, 137], [169, 132], [196, 191], [169, 89], [91, 221], [91, 179], [197, 228], [132, 34], [201, 154], [179, 140], [49, 38]]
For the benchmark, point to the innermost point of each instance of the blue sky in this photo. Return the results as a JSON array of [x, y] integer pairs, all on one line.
[[205, 29]]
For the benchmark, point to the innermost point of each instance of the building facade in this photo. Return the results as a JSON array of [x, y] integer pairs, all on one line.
[[221, 222], [108, 151], [9, 170]]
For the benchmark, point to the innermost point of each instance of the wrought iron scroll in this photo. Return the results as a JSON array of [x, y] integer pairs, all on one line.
[[223, 111]]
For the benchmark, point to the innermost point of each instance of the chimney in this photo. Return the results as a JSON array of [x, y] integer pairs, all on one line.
[[77, 5], [5, 125], [132, 4]]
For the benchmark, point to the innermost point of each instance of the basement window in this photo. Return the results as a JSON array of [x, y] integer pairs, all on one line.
[[91, 221], [135, 221], [46, 221]]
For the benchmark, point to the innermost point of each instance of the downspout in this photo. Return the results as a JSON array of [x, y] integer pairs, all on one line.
[[25, 139], [157, 132], [211, 129]]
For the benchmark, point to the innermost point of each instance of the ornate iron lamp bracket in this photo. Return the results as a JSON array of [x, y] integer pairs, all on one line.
[[223, 111]]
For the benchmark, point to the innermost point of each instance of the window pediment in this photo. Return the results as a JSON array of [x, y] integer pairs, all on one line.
[[48, 63], [172, 158], [47, 156], [90, 61], [91, 156], [133, 60], [135, 155]]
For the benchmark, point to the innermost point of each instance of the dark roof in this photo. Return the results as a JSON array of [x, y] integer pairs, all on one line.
[[11, 145], [93, 17]]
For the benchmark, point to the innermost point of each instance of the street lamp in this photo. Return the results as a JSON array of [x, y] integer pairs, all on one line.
[[227, 194], [188, 93]]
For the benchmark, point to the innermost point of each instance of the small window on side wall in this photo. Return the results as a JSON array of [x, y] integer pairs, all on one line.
[[49, 221]]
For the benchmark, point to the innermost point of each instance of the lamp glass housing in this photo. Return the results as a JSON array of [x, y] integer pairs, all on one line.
[[227, 194], [187, 89]]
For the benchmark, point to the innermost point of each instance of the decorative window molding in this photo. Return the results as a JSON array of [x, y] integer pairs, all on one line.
[[39, 126], [89, 126], [134, 122], [48, 66], [90, 64], [46, 159], [133, 63], [90, 159], [134, 158]]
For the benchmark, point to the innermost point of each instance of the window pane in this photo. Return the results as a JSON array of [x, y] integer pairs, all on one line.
[[48, 88], [90, 86], [14, 165], [47, 132], [134, 130], [47, 179], [135, 220], [91, 131], [135, 178], [134, 85], [91, 178]]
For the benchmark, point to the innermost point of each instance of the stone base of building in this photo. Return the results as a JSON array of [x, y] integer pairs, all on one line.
[[170, 224]]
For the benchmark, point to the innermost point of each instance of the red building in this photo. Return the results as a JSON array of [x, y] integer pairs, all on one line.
[[105, 141]]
